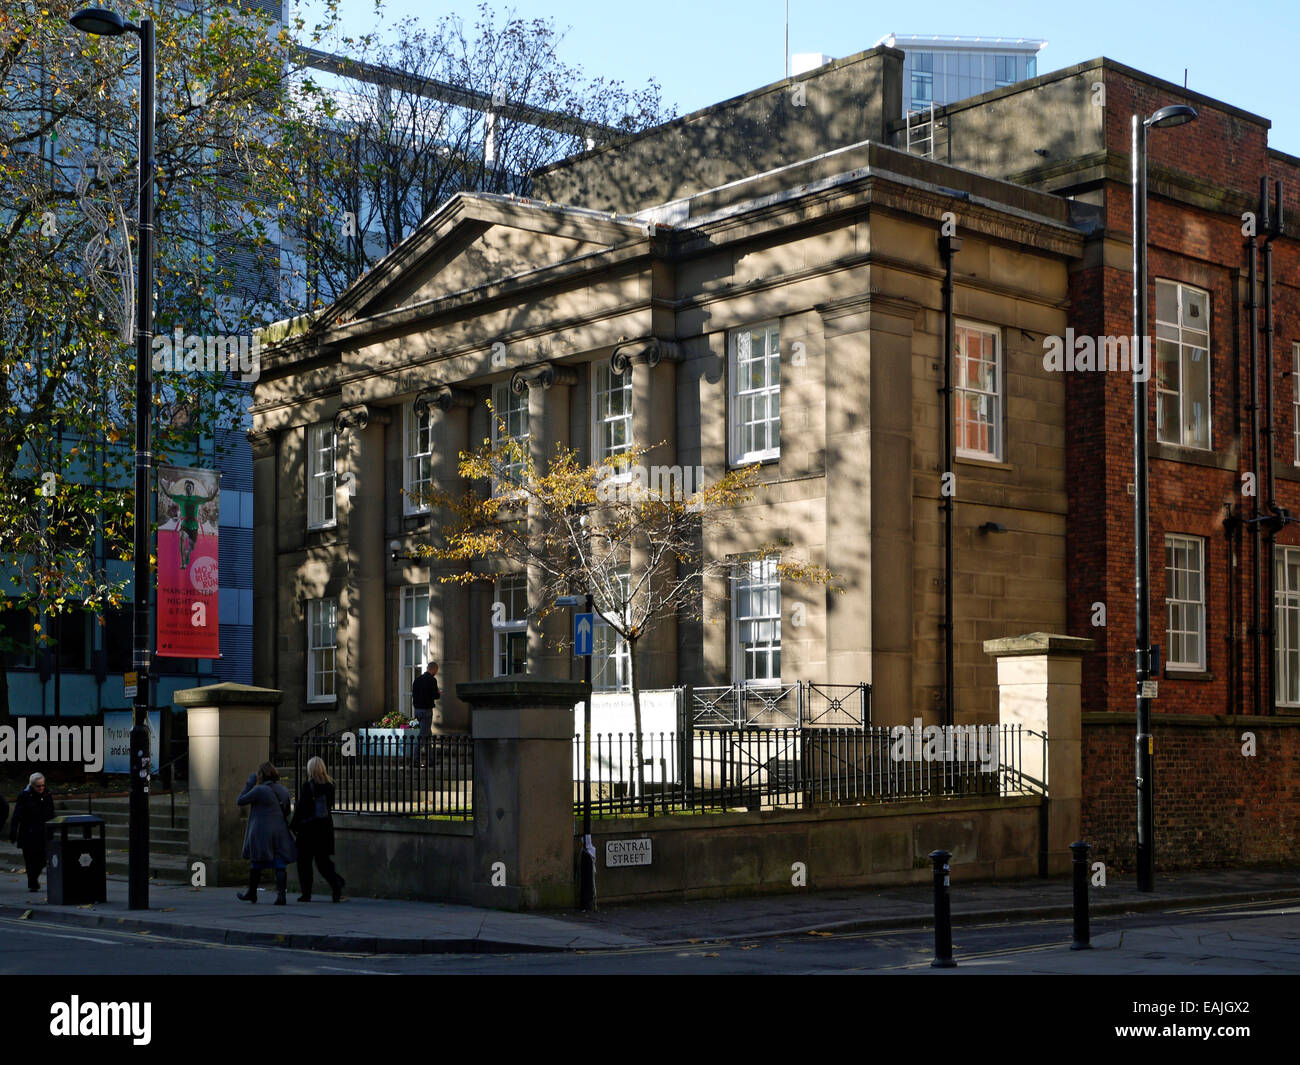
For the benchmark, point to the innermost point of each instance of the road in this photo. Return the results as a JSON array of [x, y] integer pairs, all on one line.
[[1250, 939]]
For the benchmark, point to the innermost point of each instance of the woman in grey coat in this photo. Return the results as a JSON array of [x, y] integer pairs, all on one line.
[[268, 844]]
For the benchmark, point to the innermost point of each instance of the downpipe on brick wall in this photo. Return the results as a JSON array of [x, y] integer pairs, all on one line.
[[948, 247], [1252, 306], [1277, 516]]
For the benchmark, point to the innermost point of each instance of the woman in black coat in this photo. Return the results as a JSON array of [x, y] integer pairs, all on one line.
[[268, 843], [35, 806], [314, 825]]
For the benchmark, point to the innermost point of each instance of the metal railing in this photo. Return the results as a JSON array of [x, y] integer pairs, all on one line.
[[719, 770], [800, 704], [393, 774]]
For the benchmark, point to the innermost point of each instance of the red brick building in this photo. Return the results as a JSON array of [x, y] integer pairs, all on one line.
[[1227, 751]]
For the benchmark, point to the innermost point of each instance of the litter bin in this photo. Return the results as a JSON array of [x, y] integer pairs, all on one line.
[[77, 871]]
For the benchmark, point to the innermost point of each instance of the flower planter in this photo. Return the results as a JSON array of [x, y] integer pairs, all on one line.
[[386, 742]]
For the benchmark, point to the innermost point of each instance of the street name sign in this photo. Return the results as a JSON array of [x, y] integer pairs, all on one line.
[[627, 852]]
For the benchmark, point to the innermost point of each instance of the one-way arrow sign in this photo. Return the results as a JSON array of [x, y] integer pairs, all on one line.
[[583, 629]]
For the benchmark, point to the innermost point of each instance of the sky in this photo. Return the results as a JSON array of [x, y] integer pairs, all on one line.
[[704, 51]]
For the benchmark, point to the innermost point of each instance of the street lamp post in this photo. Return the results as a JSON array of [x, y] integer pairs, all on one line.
[[1174, 115], [587, 878], [103, 22]]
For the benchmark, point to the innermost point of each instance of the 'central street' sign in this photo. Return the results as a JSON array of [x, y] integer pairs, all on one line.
[[627, 852], [583, 631]]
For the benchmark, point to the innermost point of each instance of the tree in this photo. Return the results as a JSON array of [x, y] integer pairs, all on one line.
[[423, 113], [246, 168], [68, 172], [632, 537]]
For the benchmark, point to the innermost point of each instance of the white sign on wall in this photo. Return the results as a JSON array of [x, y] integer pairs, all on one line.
[[627, 852]]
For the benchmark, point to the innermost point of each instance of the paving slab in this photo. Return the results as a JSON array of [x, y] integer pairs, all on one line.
[[380, 926], [356, 925]]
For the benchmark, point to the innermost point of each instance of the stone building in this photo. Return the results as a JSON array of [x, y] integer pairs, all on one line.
[[791, 220], [1223, 429], [767, 275]]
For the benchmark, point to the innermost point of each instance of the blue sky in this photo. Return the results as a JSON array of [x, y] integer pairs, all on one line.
[[705, 51]]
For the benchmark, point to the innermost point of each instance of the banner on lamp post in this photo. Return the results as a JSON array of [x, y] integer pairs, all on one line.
[[189, 509]]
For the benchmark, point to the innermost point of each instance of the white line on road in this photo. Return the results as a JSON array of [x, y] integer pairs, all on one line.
[[58, 935]]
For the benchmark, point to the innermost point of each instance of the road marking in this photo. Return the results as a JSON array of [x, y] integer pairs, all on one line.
[[344, 969], [57, 935], [1236, 906]]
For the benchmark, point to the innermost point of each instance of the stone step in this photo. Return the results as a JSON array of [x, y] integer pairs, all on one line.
[[156, 846], [160, 833], [167, 867]]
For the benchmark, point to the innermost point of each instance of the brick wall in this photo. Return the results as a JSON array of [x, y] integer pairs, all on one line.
[[1213, 805], [1191, 493]]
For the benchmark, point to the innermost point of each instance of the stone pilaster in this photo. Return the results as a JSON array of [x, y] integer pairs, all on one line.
[[653, 366], [449, 604], [869, 630], [266, 627], [363, 636], [548, 386]]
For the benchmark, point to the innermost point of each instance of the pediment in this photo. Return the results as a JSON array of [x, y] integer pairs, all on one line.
[[477, 243]]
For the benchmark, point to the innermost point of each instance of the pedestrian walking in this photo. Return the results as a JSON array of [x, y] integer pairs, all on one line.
[[268, 843], [313, 824], [424, 693], [34, 806]]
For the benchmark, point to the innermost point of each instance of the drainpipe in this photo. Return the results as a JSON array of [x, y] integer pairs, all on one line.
[[1253, 306], [1277, 516], [1231, 523], [948, 247]]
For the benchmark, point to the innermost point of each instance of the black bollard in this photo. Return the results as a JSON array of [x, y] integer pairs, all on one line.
[[942, 913], [1080, 868]]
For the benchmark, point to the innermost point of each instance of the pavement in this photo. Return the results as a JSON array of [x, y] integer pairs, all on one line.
[[389, 926]]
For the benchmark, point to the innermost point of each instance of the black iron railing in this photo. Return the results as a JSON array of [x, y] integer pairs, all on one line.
[[796, 704], [719, 770], [386, 774]]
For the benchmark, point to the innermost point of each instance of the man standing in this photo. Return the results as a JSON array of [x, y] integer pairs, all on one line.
[[424, 693]]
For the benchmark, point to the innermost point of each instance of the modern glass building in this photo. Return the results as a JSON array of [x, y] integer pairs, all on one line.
[[940, 69]]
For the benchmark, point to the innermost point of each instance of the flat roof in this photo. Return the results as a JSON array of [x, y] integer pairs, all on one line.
[[948, 40]]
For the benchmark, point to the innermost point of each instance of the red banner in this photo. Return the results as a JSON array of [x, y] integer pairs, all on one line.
[[189, 507]]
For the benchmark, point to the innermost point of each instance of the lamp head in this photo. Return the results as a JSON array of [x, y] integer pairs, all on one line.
[[1173, 115], [100, 21]]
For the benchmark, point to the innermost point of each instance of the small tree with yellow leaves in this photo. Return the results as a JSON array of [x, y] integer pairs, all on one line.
[[633, 538]]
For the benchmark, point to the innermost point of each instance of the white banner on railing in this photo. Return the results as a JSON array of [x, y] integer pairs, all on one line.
[[612, 713]]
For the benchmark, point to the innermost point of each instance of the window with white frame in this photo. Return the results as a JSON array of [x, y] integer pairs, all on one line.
[[509, 422], [322, 649], [756, 622], [510, 626], [321, 451], [611, 404], [977, 391], [1286, 608], [611, 662], [1185, 599], [412, 641], [755, 360], [1182, 365], [1295, 402], [417, 452]]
